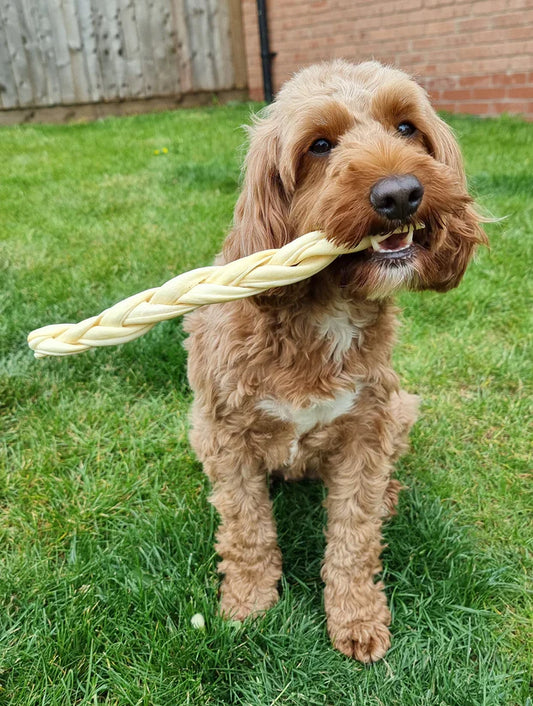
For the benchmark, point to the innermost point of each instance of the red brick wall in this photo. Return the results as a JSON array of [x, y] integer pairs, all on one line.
[[472, 57]]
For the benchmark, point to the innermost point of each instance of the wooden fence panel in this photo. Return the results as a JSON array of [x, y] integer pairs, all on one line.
[[133, 77], [88, 41], [17, 51], [8, 86], [75, 52], [43, 29]]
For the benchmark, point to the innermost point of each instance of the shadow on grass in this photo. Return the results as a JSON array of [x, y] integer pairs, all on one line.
[[300, 518], [155, 364], [118, 609], [429, 562], [449, 643]]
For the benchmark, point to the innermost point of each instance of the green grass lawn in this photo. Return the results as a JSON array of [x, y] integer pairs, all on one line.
[[106, 532]]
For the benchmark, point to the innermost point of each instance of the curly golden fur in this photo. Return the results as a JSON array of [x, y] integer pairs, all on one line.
[[298, 381]]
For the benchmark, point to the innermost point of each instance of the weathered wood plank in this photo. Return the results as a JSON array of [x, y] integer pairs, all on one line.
[[133, 79], [183, 49], [164, 49], [90, 50], [108, 47], [221, 56], [80, 80], [8, 87], [45, 39], [142, 13], [17, 53], [36, 59], [62, 54], [236, 40], [200, 44]]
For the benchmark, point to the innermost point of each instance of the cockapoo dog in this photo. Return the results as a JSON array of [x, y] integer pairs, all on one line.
[[298, 381]]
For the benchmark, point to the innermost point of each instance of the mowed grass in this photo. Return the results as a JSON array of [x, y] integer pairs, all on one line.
[[106, 531]]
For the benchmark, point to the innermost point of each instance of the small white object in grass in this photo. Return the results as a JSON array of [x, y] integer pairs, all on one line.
[[198, 621]]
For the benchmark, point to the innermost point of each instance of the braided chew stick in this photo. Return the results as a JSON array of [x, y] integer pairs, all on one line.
[[250, 275]]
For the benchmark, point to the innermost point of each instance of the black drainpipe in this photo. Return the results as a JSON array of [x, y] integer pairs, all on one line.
[[266, 55]]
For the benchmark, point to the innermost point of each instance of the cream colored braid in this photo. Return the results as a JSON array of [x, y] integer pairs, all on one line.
[[242, 278]]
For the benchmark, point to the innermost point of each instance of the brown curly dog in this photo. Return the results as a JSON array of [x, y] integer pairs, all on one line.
[[299, 381]]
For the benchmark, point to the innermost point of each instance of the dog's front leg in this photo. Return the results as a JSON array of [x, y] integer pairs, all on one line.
[[246, 540], [356, 606]]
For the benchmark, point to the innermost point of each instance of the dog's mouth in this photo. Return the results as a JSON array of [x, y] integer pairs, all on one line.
[[389, 253], [400, 242]]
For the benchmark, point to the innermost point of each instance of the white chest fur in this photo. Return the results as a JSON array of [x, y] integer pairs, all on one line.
[[317, 412], [341, 328]]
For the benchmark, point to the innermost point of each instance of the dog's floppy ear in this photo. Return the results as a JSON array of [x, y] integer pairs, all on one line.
[[465, 233], [450, 261], [261, 213]]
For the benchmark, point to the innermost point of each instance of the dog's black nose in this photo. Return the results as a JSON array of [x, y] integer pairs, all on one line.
[[397, 197]]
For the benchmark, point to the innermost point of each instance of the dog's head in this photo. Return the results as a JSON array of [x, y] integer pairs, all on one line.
[[357, 150]]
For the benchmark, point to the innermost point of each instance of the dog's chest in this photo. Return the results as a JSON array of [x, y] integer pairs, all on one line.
[[317, 412], [332, 341], [338, 333], [339, 330]]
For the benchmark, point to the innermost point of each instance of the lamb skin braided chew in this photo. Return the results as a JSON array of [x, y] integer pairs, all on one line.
[[133, 317]]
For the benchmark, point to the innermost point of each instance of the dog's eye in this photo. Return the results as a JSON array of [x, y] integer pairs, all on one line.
[[406, 129], [321, 146]]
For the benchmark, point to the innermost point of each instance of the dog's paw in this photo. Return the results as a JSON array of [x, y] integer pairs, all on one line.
[[235, 605], [365, 641]]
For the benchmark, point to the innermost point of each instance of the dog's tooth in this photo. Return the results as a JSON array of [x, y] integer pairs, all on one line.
[[375, 240], [409, 239]]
